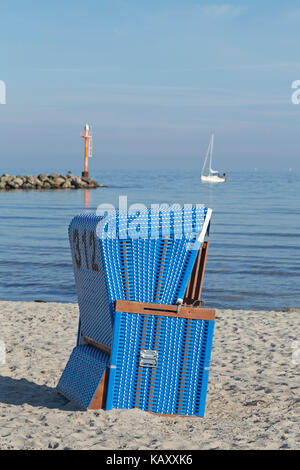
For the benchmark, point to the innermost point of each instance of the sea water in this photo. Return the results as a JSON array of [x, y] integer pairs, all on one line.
[[254, 255]]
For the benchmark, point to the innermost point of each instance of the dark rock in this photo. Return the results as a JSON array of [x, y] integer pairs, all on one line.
[[57, 182], [4, 178], [19, 180], [66, 185], [42, 177], [76, 182], [13, 184]]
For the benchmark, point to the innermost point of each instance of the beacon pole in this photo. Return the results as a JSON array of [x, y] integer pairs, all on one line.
[[87, 149]]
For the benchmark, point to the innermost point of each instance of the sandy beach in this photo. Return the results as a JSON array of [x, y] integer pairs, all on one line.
[[252, 401]]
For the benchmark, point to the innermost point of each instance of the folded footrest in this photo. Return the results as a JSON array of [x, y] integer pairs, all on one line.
[[85, 376]]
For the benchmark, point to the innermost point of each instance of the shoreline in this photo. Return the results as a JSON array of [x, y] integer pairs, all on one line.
[[252, 394], [282, 310]]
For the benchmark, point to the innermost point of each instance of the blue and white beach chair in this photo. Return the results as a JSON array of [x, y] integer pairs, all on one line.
[[122, 264]]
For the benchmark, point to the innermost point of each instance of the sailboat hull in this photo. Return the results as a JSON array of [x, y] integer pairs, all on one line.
[[213, 179]]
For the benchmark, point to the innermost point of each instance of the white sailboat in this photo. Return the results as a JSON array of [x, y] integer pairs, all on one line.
[[213, 175]]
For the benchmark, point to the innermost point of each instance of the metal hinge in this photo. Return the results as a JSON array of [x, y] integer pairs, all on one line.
[[148, 358]]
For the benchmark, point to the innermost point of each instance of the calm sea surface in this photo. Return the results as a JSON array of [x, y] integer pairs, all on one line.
[[254, 255]]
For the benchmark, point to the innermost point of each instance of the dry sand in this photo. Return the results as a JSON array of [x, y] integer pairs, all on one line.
[[252, 401]]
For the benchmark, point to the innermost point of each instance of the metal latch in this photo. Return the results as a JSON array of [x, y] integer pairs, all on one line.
[[179, 305], [148, 358]]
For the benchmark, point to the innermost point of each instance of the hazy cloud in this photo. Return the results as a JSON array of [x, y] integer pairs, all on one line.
[[226, 10]]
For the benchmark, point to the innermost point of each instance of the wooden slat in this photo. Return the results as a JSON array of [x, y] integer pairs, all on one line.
[[99, 400], [144, 308], [189, 295], [200, 278], [96, 345], [194, 289]]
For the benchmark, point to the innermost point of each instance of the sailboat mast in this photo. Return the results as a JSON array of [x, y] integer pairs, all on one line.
[[211, 151], [206, 157]]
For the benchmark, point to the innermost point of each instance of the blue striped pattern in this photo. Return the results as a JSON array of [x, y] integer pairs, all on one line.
[[178, 385]]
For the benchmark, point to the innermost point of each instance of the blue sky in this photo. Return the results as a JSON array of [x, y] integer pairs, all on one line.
[[154, 79]]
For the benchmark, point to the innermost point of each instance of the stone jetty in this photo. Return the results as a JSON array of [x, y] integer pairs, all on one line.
[[43, 181]]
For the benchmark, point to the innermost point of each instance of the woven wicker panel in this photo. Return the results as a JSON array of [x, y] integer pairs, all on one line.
[[178, 384]]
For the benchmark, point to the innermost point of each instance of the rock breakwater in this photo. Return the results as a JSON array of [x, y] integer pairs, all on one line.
[[43, 181]]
